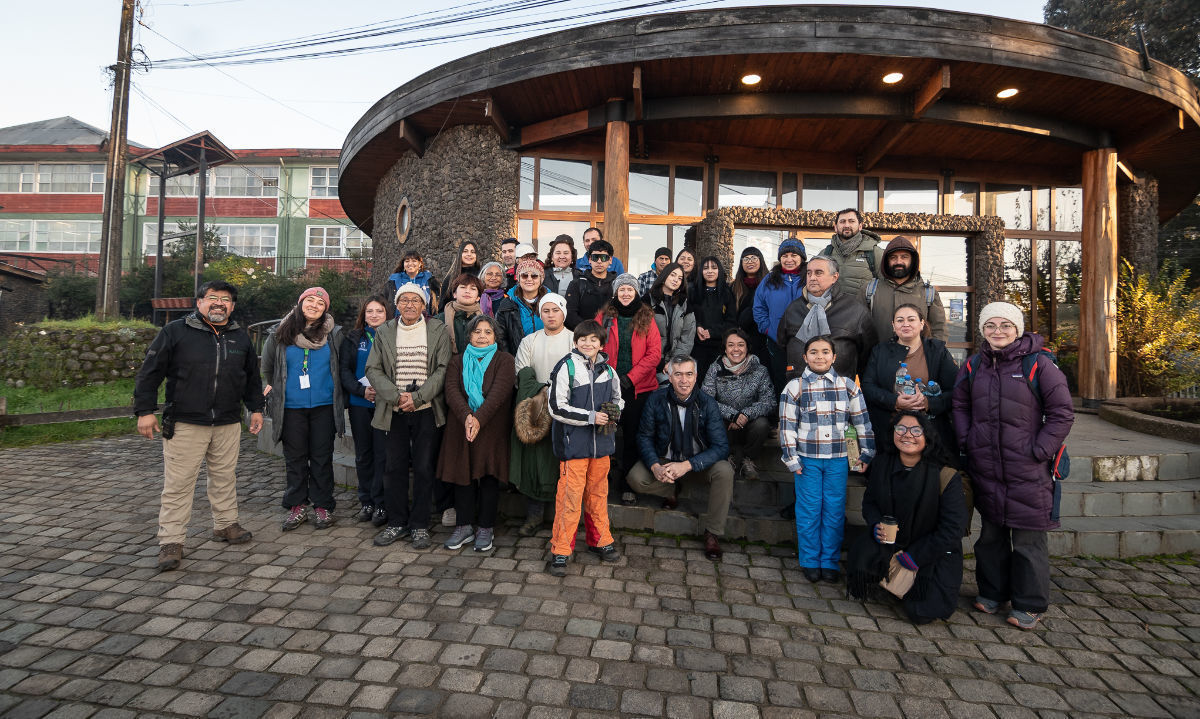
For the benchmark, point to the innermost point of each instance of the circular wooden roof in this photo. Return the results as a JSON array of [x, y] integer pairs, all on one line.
[[821, 104]]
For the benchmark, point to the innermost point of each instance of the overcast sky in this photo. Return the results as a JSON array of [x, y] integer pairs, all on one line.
[[56, 51]]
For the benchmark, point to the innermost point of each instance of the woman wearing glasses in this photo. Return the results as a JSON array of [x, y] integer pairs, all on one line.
[[926, 359], [916, 512], [517, 314], [1010, 435]]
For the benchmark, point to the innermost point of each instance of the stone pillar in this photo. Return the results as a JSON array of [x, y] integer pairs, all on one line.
[[616, 187], [1098, 300], [1137, 223]]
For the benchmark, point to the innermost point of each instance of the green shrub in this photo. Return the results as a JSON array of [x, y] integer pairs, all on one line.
[[1158, 332], [70, 296]]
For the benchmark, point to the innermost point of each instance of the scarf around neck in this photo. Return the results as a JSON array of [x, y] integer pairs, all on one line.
[[815, 323], [738, 368], [314, 337], [475, 363], [630, 309], [684, 438]]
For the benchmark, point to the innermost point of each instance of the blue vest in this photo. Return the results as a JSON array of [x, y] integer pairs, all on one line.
[[360, 364], [320, 376]]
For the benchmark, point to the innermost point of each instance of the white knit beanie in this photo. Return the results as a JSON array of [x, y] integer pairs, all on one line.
[[413, 288], [553, 298], [1004, 311]]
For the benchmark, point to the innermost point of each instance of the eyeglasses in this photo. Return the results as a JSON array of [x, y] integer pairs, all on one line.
[[214, 300], [410, 301], [600, 256], [529, 276], [913, 431], [1003, 327]]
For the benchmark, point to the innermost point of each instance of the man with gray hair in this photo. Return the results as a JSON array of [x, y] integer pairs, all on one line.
[[827, 308], [681, 437]]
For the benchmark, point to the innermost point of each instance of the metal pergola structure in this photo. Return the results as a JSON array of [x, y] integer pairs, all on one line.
[[184, 157]]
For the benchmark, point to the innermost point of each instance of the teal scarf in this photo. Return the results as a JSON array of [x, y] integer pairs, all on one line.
[[475, 364]]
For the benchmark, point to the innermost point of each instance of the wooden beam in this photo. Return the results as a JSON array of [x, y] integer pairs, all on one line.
[[1173, 122], [1126, 172], [929, 92], [616, 187], [557, 128], [492, 112], [412, 137], [887, 138], [1098, 299], [637, 93]]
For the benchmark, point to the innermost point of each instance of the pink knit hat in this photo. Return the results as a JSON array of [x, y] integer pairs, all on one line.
[[315, 292]]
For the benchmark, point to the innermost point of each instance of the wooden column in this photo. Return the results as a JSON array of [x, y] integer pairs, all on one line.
[[616, 188], [1098, 300]]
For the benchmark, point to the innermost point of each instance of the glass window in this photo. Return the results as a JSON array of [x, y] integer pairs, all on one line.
[[945, 261], [547, 230], [244, 181], [830, 192], [1045, 272], [643, 241], [746, 188], [768, 240], [182, 186], [15, 235], [525, 231], [71, 178], [1018, 267], [870, 201], [1010, 203], [336, 241], [966, 198], [527, 171], [689, 191], [565, 185], [958, 312], [17, 178], [910, 195], [1042, 221], [249, 240], [1068, 209], [649, 189], [1068, 282], [324, 182], [67, 236], [791, 194]]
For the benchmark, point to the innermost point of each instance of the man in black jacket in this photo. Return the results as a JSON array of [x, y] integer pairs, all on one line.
[[826, 308], [211, 370], [587, 295]]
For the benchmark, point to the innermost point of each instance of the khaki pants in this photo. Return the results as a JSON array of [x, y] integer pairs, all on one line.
[[720, 490], [182, 454]]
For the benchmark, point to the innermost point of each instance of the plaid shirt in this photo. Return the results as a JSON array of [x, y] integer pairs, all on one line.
[[646, 281], [813, 412]]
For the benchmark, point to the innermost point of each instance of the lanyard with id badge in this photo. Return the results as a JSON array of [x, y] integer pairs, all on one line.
[[305, 382]]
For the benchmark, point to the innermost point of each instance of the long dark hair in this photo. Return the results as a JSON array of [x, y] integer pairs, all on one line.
[[361, 321], [410, 255], [775, 277], [456, 268], [688, 278], [700, 284], [738, 286], [295, 324], [934, 449], [560, 240], [680, 296]]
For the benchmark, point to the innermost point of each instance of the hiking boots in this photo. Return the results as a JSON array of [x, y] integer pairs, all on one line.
[[420, 539], [749, 470], [557, 566], [463, 533], [379, 517], [388, 535], [607, 553], [296, 516], [322, 518], [234, 534], [169, 556], [364, 514]]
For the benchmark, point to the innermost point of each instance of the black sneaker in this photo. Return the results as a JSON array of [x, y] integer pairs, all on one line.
[[557, 566], [607, 553], [389, 535], [379, 517], [364, 514], [420, 539]]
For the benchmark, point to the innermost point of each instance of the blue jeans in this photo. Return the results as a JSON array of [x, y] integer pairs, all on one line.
[[821, 511]]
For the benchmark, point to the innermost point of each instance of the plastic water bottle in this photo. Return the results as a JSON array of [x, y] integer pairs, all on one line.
[[852, 450], [932, 389], [908, 387], [900, 375]]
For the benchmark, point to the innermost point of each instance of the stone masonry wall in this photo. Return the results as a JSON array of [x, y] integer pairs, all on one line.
[[1137, 224], [714, 235], [464, 188], [49, 358]]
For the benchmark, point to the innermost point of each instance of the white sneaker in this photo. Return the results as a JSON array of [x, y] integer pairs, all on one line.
[[450, 518]]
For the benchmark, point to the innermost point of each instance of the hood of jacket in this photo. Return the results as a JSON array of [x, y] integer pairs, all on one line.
[[196, 321], [902, 243], [1027, 344]]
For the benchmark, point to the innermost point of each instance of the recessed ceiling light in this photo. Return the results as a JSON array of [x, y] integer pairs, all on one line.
[[1007, 93], [893, 77], [751, 79]]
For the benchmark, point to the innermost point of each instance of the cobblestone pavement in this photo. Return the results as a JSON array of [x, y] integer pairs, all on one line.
[[317, 624]]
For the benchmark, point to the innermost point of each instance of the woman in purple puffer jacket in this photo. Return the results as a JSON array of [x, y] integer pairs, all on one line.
[[1010, 437]]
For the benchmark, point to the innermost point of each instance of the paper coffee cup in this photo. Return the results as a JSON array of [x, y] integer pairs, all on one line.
[[890, 527]]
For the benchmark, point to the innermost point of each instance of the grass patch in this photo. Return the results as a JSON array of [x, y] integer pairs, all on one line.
[[66, 432], [31, 400], [89, 322]]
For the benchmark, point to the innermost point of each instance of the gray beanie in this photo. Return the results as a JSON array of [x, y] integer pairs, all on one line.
[[1004, 311], [625, 279]]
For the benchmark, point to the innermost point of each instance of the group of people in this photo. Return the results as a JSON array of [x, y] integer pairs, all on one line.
[[573, 381]]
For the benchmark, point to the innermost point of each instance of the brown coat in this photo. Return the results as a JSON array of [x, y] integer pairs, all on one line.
[[461, 461]]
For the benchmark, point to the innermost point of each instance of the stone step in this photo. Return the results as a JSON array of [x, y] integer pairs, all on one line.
[[1126, 536], [1131, 499]]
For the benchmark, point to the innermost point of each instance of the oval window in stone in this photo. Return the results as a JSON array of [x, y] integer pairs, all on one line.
[[403, 220]]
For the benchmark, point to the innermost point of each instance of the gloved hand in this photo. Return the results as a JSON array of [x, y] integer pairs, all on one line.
[[906, 561], [627, 390], [614, 416]]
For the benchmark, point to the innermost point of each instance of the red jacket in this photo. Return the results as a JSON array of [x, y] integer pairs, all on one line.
[[647, 351]]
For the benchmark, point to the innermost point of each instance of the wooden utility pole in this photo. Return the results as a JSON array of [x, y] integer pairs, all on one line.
[[109, 283]]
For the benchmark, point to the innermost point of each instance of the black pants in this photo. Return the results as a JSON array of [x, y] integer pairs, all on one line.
[[627, 453], [476, 502], [308, 456], [412, 446], [778, 366], [705, 355], [370, 456], [1013, 565], [748, 441]]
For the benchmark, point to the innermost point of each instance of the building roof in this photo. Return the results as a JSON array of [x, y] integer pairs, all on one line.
[[57, 131], [821, 105]]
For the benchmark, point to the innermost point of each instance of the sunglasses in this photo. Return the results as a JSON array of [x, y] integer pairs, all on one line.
[[600, 256], [529, 276]]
